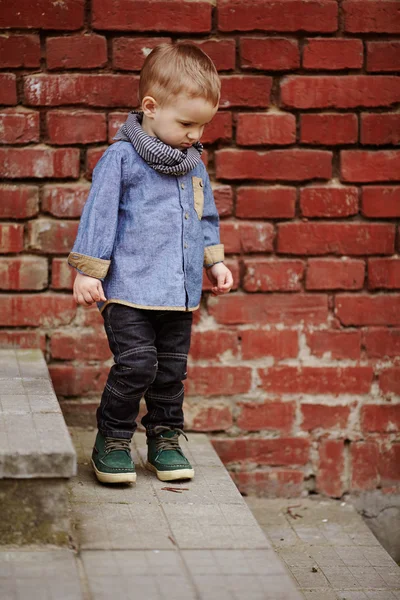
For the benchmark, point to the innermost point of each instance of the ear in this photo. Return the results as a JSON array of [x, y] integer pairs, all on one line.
[[149, 106]]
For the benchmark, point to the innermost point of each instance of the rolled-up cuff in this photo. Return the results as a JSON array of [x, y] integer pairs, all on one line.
[[89, 265], [213, 254]]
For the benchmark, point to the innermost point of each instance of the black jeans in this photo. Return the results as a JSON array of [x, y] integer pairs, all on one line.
[[150, 349]]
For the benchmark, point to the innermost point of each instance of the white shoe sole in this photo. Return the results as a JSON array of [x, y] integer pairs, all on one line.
[[171, 475], [114, 477]]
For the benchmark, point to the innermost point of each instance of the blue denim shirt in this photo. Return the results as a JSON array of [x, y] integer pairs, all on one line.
[[145, 234]]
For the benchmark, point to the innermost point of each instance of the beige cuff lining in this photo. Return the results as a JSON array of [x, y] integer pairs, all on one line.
[[94, 267], [213, 254]]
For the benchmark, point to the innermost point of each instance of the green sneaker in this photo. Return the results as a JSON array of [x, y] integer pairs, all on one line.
[[112, 461], [165, 456]]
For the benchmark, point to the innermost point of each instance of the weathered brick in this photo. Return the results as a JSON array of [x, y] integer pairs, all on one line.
[[379, 16], [19, 51], [316, 380], [381, 342], [383, 56], [332, 54], [383, 273], [19, 201], [220, 129], [223, 196], [129, 53], [212, 418], [341, 91], [8, 88], [363, 166], [257, 343], [78, 380], [336, 238], [93, 156], [389, 383], [17, 338], [361, 309], [380, 418], [324, 201], [274, 483], [381, 201], [273, 452], [237, 309], [329, 129], [272, 275], [50, 236], [330, 473], [336, 345], [260, 128], [297, 15], [222, 52], [246, 237], [152, 15], [19, 126], [245, 90], [270, 54], [364, 458], [115, 120], [76, 127], [33, 310], [274, 416], [297, 164], [276, 202], [380, 129], [389, 460], [11, 237], [39, 162], [211, 345], [320, 416], [76, 52], [65, 200], [79, 345], [218, 380], [23, 273], [43, 14], [93, 90], [62, 275], [331, 274]]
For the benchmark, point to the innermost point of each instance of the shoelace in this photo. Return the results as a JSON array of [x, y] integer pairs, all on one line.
[[117, 444], [171, 443]]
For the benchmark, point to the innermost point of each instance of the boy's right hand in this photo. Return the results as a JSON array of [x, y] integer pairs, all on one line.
[[88, 290]]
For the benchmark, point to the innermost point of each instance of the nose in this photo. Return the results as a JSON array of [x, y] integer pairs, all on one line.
[[195, 134]]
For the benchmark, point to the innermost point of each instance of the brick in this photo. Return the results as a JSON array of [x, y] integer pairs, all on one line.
[[354, 238], [212, 418], [341, 91], [276, 202], [273, 452], [258, 343], [79, 345], [42, 14], [329, 129], [19, 51], [247, 237], [238, 309], [8, 88], [380, 418], [223, 196], [76, 127], [389, 383], [380, 129], [361, 309], [332, 54], [330, 471], [152, 15], [295, 15], [274, 416], [320, 416], [363, 166], [273, 54], [33, 310], [260, 128], [90, 317], [273, 165], [381, 201], [324, 201], [389, 461], [23, 273], [11, 237], [92, 90], [39, 162], [221, 51], [129, 53], [272, 275], [65, 200], [275, 483], [220, 129], [62, 275], [380, 342], [78, 380], [51, 236], [336, 345], [364, 458], [383, 273], [115, 121], [381, 16], [19, 126], [316, 380], [19, 201], [93, 156], [245, 90], [218, 380], [331, 274], [76, 52], [15, 338], [211, 345], [383, 56]]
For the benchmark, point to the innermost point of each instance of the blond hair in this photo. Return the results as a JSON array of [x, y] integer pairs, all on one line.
[[171, 69]]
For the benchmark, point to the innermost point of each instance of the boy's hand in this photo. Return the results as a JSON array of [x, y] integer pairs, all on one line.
[[221, 278], [88, 290]]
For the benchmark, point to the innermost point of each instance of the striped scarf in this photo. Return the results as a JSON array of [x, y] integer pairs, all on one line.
[[159, 156]]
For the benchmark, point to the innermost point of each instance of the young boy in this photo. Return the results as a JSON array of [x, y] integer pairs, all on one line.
[[147, 229]]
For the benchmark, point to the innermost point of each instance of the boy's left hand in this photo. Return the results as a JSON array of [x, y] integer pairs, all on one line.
[[221, 278]]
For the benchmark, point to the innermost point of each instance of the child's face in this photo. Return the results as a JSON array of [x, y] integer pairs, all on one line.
[[179, 123]]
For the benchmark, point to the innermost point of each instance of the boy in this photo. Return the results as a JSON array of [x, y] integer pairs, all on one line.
[[147, 229]]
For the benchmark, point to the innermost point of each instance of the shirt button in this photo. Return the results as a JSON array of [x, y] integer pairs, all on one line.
[[186, 215], [186, 245], [183, 186]]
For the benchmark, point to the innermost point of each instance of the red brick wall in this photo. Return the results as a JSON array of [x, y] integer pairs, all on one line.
[[295, 374]]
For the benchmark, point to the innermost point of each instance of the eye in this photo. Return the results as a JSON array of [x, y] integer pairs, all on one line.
[[185, 124]]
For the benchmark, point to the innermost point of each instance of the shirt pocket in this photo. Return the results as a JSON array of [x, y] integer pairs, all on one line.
[[198, 195]]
